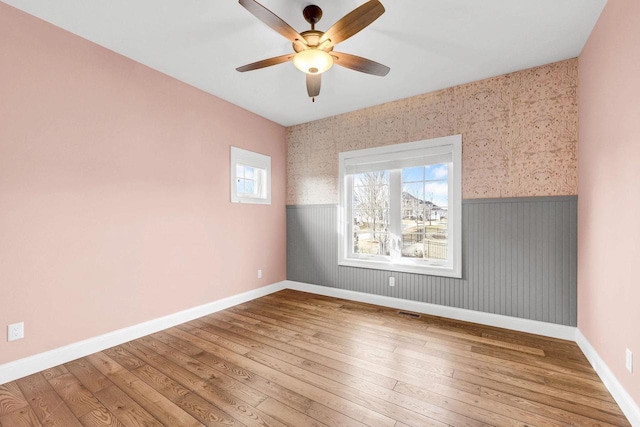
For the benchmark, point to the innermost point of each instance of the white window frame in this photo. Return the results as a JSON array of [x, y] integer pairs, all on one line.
[[397, 154], [240, 156]]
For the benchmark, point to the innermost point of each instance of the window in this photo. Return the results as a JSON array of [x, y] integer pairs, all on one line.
[[400, 207], [250, 177]]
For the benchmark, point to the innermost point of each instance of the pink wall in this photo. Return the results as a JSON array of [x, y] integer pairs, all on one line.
[[609, 190], [114, 191]]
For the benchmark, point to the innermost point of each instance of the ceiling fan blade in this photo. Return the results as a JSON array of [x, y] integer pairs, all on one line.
[[313, 84], [357, 63], [266, 63], [353, 22], [272, 20]]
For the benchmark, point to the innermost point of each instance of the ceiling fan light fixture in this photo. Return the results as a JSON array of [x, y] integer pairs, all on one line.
[[313, 61]]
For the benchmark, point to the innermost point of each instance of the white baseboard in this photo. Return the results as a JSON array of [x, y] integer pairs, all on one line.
[[625, 401], [39, 362], [523, 325]]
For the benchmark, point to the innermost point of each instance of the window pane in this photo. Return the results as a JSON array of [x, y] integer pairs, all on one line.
[[437, 172], [424, 212], [239, 171], [413, 192], [249, 186], [248, 172], [437, 192], [413, 174], [240, 186], [370, 206]]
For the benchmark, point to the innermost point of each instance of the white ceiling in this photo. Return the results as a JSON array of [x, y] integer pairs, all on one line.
[[429, 45]]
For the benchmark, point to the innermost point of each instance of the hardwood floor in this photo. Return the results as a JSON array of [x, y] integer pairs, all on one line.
[[297, 359]]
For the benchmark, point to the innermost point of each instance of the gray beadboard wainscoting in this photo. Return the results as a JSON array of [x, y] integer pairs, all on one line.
[[519, 258]]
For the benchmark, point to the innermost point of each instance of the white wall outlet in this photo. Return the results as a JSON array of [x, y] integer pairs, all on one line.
[[629, 363], [259, 274], [15, 331], [392, 281]]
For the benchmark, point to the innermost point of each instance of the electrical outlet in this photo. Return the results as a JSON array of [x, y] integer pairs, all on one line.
[[15, 331], [629, 363], [259, 274], [392, 281]]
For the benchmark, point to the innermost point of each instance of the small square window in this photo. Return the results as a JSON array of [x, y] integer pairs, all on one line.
[[250, 177]]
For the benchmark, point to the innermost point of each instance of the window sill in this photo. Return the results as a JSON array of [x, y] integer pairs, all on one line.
[[251, 201], [427, 270]]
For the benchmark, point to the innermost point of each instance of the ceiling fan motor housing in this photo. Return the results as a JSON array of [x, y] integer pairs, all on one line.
[[312, 14]]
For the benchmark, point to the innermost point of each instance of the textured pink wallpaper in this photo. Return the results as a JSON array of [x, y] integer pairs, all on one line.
[[519, 133], [114, 191], [609, 191]]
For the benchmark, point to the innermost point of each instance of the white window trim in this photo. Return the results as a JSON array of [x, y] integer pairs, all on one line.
[[450, 144], [256, 160]]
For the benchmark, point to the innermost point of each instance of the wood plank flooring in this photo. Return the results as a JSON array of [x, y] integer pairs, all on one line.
[[298, 359]]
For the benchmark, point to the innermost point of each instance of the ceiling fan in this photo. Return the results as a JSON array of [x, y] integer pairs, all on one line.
[[313, 49]]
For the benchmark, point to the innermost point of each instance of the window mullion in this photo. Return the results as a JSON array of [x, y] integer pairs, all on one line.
[[395, 213], [349, 215]]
